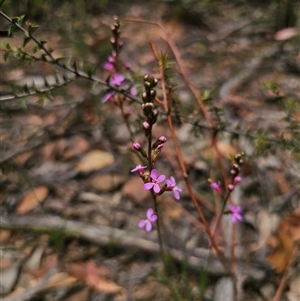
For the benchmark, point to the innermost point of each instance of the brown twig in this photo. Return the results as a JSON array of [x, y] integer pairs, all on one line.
[[182, 165]]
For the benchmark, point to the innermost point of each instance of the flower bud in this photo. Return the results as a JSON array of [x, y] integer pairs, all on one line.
[[136, 146], [144, 97], [146, 125], [162, 139], [237, 179], [230, 187]]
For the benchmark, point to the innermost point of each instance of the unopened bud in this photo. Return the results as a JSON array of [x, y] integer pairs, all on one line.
[[152, 93], [146, 125], [144, 97], [136, 146], [230, 187], [162, 139]]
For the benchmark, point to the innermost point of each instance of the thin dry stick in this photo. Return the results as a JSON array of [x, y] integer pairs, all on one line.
[[284, 277], [182, 165]]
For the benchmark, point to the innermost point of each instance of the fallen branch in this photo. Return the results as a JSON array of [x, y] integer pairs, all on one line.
[[103, 235]]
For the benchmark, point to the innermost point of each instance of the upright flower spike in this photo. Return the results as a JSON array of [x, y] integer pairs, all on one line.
[[147, 223], [236, 213], [176, 190], [116, 79], [156, 179]]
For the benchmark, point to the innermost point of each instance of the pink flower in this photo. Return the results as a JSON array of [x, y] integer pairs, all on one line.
[[216, 186], [147, 223], [156, 179], [139, 168], [108, 96], [133, 91], [116, 79], [236, 213], [172, 184]]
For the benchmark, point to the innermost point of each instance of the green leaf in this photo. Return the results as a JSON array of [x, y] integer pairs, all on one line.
[[35, 49], [49, 95], [5, 56], [32, 29], [11, 29], [26, 41], [91, 71]]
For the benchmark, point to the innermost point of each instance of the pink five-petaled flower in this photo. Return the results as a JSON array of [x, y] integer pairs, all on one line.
[[139, 168], [172, 184], [156, 179], [116, 79], [216, 186], [236, 213], [147, 223]]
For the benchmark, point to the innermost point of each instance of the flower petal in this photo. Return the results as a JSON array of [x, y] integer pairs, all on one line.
[[153, 218], [154, 174], [142, 223], [161, 178], [148, 226], [176, 194], [149, 213], [156, 188], [148, 186], [108, 96]]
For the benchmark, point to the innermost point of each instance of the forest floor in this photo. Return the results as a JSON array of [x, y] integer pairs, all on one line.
[[70, 205]]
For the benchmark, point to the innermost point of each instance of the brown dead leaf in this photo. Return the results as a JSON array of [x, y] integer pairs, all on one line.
[[89, 273], [104, 286], [283, 242], [94, 160], [48, 263], [282, 183], [60, 280], [32, 198], [4, 236], [76, 146]]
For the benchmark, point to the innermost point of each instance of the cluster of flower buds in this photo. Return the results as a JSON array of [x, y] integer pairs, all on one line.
[[113, 65], [148, 97], [115, 39], [235, 170]]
